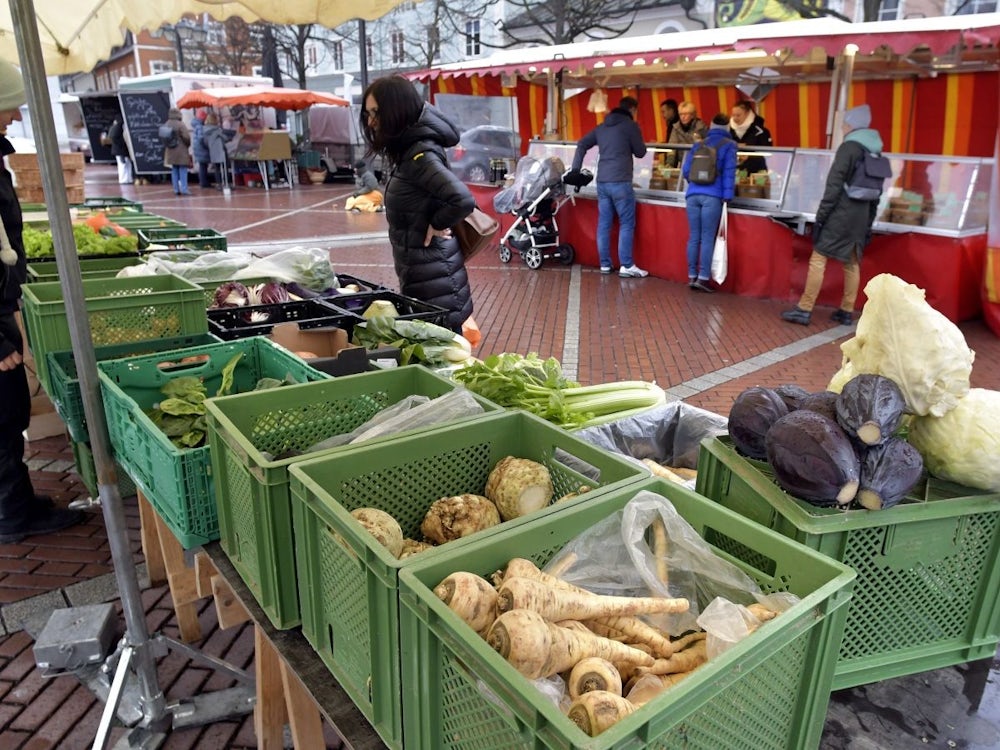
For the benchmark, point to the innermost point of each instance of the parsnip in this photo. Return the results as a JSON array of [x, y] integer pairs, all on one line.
[[537, 648], [593, 673], [557, 604], [472, 598], [683, 661], [634, 631], [595, 711], [643, 689], [658, 470]]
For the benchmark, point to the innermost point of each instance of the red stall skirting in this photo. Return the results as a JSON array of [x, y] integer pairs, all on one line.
[[769, 261]]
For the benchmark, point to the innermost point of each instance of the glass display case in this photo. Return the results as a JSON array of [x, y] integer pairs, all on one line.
[[945, 195]]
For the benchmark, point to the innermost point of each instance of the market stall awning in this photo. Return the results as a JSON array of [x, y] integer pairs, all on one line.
[[794, 49], [261, 96]]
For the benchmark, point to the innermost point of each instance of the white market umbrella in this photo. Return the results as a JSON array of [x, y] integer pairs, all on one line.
[[56, 37]]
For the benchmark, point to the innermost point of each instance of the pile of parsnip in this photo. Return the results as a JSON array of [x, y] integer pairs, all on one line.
[[611, 660]]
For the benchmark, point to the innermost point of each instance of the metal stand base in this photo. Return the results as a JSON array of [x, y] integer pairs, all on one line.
[[115, 682]]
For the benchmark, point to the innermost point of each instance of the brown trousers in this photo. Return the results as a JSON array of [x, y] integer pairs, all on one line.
[[814, 280]]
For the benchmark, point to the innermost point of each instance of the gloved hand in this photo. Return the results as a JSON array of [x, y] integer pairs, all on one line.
[[817, 228]]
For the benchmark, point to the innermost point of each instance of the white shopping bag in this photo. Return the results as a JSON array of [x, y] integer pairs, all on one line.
[[720, 257]]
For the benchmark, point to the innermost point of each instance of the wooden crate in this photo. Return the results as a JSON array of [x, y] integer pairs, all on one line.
[[74, 160], [74, 194]]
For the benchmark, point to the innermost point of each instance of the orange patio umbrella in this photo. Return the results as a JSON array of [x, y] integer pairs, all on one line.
[[261, 96]]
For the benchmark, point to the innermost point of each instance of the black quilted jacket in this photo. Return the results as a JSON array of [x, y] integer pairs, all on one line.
[[11, 277], [422, 190]]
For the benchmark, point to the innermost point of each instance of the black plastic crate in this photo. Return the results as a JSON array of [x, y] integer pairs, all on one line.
[[407, 307], [366, 286], [230, 323]]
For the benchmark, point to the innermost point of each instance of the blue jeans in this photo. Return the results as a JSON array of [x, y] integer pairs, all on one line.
[[704, 212], [179, 177], [615, 198]]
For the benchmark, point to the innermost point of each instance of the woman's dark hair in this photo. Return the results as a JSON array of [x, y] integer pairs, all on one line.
[[744, 105], [720, 119], [399, 105]]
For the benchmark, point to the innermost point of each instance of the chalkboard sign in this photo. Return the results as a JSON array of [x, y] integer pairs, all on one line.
[[144, 113], [99, 111]]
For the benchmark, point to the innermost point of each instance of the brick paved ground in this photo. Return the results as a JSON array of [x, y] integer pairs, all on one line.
[[647, 329]]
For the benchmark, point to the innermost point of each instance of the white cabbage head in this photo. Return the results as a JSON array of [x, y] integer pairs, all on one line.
[[902, 337]]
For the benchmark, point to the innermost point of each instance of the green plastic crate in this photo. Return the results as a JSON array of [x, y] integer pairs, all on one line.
[[111, 201], [120, 311], [83, 457], [348, 583], [769, 692], [135, 222], [178, 482], [90, 268], [928, 591], [66, 396], [182, 237], [251, 489]]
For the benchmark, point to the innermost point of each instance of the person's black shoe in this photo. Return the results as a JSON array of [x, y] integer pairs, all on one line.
[[843, 317], [54, 520], [797, 315], [702, 285], [41, 505], [691, 282]]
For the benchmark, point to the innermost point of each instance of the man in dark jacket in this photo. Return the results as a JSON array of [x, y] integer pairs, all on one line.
[[119, 150], [843, 225], [22, 513], [618, 139]]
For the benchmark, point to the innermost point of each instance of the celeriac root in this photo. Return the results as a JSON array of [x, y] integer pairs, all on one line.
[[558, 604], [593, 673], [471, 597], [537, 648], [595, 711]]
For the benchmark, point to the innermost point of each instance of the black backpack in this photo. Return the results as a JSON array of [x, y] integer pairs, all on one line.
[[705, 163], [866, 181], [168, 136]]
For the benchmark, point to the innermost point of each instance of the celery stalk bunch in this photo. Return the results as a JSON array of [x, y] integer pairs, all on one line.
[[539, 386]]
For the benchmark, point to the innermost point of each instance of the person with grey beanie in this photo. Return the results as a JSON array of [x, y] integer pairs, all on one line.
[[843, 224], [22, 512]]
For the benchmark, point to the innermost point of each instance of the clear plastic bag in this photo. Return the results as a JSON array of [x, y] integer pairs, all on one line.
[[727, 623], [198, 267], [615, 558], [309, 267], [408, 414]]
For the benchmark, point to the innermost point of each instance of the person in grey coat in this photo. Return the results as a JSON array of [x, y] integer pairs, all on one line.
[[423, 197], [618, 139], [199, 151], [843, 225], [176, 156], [215, 148]]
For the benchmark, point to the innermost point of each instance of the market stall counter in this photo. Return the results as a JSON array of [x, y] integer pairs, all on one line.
[[267, 155], [930, 229]]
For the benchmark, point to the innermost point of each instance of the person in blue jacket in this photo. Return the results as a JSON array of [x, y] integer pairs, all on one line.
[[704, 203], [618, 139]]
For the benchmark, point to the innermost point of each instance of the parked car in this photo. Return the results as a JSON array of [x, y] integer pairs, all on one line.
[[471, 157]]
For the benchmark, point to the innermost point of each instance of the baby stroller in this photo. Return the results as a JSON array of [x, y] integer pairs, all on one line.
[[537, 194]]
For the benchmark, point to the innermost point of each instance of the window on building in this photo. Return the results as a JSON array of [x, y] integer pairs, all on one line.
[[160, 66], [257, 70], [890, 10], [398, 43], [216, 34], [369, 48], [472, 41], [338, 55], [968, 7], [312, 56]]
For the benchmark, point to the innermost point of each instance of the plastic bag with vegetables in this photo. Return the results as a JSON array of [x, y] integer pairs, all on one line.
[[903, 338], [307, 267]]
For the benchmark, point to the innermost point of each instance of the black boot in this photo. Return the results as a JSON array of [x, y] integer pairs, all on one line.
[[797, 315]]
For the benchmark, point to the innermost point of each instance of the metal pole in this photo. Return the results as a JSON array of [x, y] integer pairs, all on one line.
[[68, 263], [179, 43], [363, 53]]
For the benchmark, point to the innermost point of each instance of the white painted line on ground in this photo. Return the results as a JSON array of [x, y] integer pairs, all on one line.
[[571, 335]]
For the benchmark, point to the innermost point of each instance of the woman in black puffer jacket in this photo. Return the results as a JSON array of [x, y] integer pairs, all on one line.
[[423, 197]]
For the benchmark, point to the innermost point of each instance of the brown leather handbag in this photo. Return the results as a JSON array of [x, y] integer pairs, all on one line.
[[476, 232]]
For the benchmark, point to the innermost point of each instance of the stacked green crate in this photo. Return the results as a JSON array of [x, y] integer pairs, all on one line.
[[928, 591]]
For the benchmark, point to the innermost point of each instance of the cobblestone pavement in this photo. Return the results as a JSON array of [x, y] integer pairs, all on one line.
[[703, 349]]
